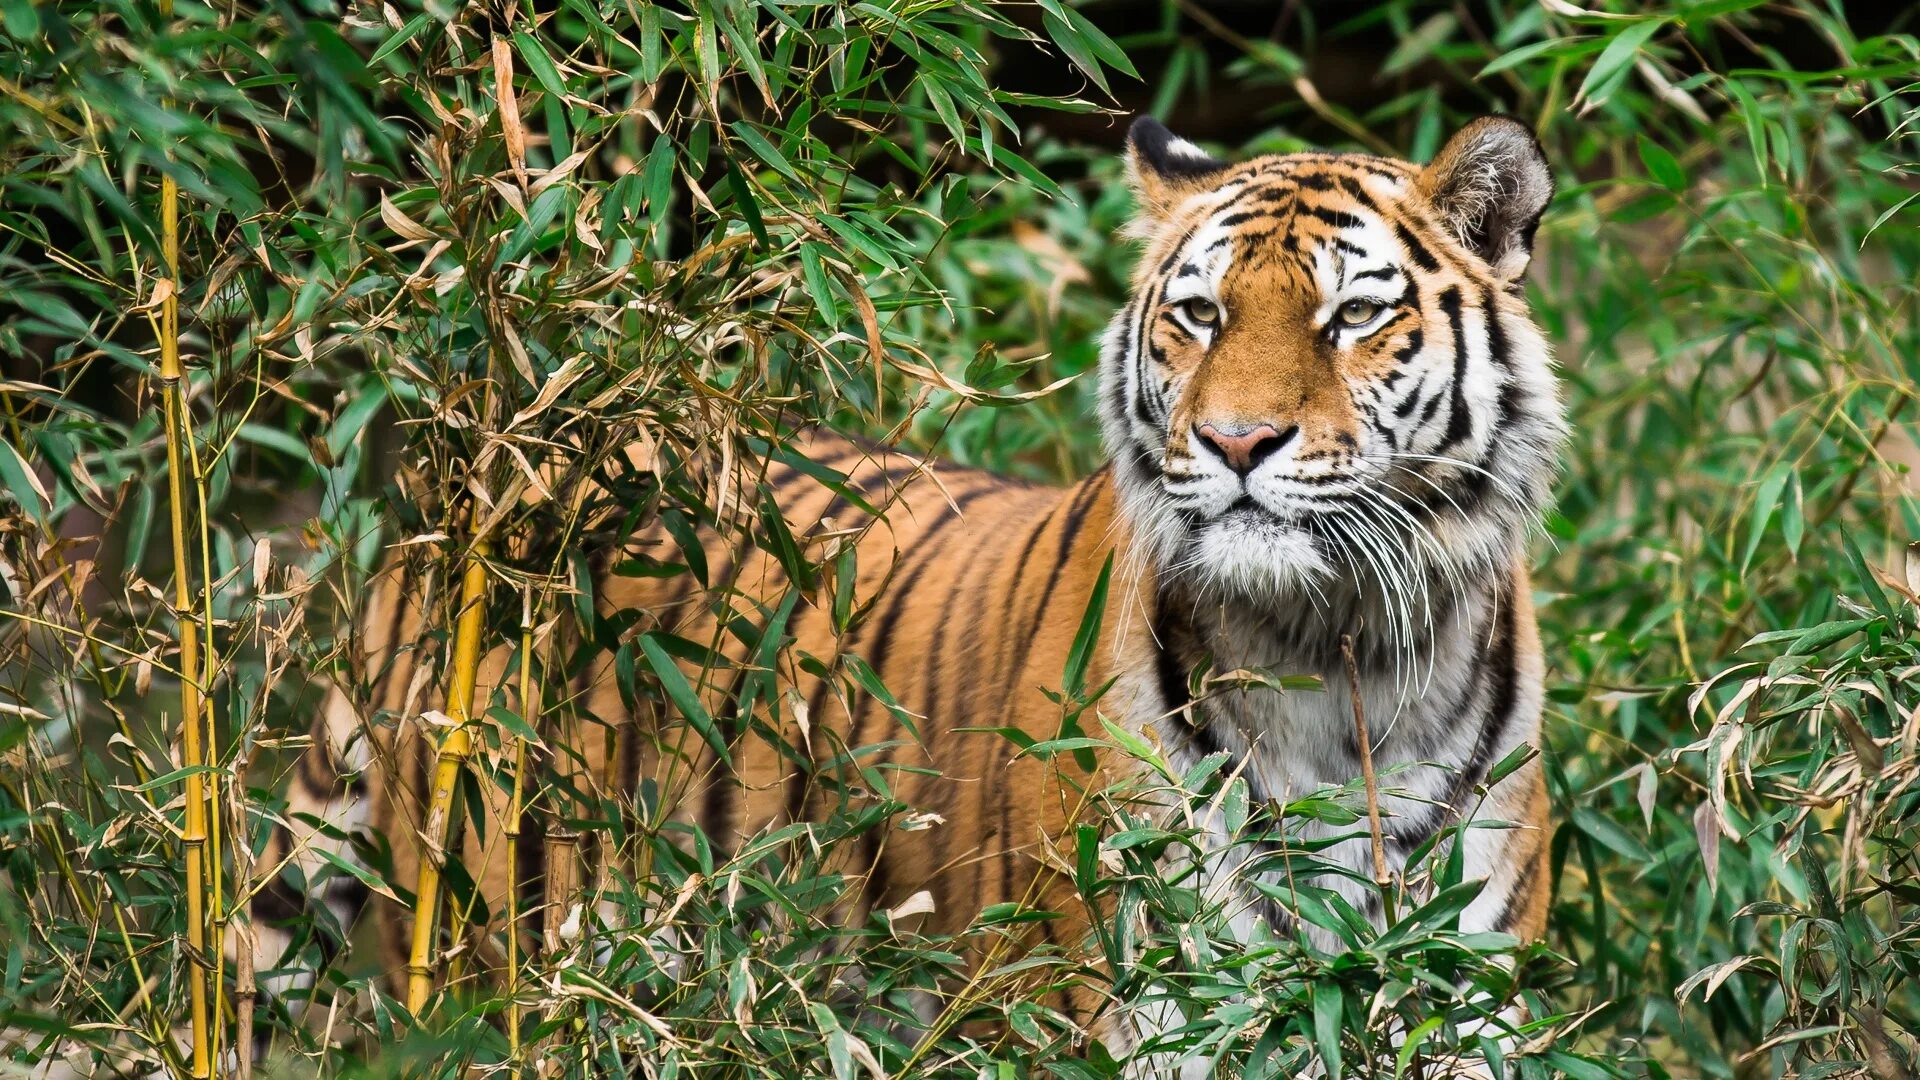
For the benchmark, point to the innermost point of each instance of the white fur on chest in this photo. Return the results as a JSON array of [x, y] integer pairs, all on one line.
[[1428, 726]]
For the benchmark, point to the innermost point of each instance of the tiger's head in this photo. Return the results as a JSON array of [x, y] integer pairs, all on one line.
[[1328, 370]]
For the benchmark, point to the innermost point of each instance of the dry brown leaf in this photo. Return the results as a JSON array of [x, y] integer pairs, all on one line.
[[517, 352], [1707, 832], [559, 172], [511, 194], [162, 292], [563, 376], [583, 227], [510, 129], [403, 226]]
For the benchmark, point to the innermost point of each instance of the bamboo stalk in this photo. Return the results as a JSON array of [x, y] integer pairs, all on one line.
[[1365, 741], [241, 934], [455, 748], [529, 713], [563, 873], [192, 707], [210, 664]]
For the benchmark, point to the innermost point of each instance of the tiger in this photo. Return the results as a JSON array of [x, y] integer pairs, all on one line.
[[1332, 427]]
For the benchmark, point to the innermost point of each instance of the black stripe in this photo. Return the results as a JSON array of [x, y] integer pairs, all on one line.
[[928, 546], [1069, 531], [1416, 338], [1143, 351], [974, 627], [1497, 348], [1014, 594], [1357, 193], [1526, 879], [1459, 421], [1411, 401], [1177, 651], [1415, 249], [1501, 668], [1339, 219]]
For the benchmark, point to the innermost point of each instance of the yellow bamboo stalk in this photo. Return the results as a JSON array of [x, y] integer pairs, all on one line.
[[192, 707], [210, 665], [530, 713], [455, 748]]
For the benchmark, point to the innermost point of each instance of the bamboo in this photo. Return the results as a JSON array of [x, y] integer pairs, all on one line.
[[241, 934], [1365, 741], [529, 713], [210, 663], [455, 749], [194, 829], [563, 872]]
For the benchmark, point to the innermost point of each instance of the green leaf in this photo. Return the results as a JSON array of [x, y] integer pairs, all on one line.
[[1074, 679], [1552, 47], [1766, 500], [869, 679], [176, 776], [400, 37], [1616, 58], [682, 694], [539, 63], [513, 722], [353, 869], [1328, 1007], [744, 201], [1077, 47], [1411, 1044], [1662, 166], [1609, 833], [766, 151], [21, 483], [819, 286], [1416, 46]]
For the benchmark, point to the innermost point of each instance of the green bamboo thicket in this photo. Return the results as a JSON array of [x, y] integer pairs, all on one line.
[[484, 288]]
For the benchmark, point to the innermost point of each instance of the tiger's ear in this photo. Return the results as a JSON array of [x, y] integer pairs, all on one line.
[[1165, 170], [1489, 185]]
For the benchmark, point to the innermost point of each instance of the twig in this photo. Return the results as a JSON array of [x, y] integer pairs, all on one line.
[[1365, 742]]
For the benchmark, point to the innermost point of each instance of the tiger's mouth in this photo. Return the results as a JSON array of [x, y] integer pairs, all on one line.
[[1252, 521], [1248, 511]]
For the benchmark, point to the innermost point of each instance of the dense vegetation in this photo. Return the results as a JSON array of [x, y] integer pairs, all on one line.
[[432, 267]]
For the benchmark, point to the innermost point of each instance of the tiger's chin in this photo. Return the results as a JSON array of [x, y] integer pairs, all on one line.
[[1258, 556]]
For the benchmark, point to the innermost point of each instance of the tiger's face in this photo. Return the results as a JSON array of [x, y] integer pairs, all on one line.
[[1328, 371]]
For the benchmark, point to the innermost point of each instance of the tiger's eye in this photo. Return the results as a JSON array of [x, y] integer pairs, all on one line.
[[1358, 312], [1204, 312]]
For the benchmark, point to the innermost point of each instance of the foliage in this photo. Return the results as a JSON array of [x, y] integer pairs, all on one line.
[[440, 266]]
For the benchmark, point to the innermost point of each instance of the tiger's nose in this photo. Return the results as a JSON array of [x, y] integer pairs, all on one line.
[[1243, 451]]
